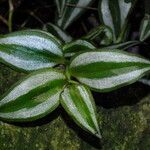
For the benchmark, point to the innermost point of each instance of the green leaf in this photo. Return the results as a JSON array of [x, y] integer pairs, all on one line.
[[101, 35], [77, 46], [106, 70], [30, 50], [70, 10], [33, 97], [77, 100], [58, 32], [145, 28], [114, 13], [124, 45]]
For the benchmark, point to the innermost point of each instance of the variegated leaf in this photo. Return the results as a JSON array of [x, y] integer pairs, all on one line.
[[114, 13], [30, 50], [106, 70], [77, 100], [33, 97]]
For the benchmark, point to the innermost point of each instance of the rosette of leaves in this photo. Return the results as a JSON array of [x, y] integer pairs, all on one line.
[[49, 85]]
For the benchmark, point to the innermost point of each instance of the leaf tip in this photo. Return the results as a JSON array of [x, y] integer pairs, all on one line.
[[98, 135]]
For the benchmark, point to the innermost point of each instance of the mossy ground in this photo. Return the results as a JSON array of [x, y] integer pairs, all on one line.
[[123, 127]]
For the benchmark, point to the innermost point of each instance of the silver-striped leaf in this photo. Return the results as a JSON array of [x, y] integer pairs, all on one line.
[[74, 47], [106, 70], [114, 13], [33, 97], [145, 28], [77, 100], [30, 50]]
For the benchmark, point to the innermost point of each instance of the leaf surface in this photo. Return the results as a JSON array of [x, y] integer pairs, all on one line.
[[30, 50], [77, 100], [106, 70], [33, 97]]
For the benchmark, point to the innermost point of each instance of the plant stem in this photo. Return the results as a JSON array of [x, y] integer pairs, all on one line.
[[73, 5], [67, 73], [3, 20], [11, 10]]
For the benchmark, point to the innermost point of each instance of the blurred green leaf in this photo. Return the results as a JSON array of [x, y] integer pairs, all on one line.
[[123, 46], [70, 10], [145, 28], [60, 6]]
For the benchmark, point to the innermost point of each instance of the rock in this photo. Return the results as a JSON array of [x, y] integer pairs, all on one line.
[[127, 128], [123, 128]]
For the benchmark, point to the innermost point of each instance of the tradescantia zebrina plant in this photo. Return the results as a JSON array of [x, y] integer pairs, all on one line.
[[45, 88]]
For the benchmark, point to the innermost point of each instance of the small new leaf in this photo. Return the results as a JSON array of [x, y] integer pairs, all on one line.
[[74, 47], [77, 100], [33, 97], [30, 50], [106, 70]]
